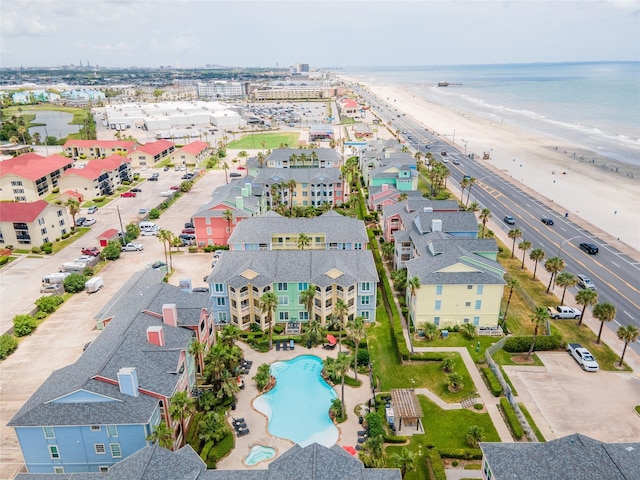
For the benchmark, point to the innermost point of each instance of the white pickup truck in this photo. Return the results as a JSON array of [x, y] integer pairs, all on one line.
[[564, 312], [583, 357]]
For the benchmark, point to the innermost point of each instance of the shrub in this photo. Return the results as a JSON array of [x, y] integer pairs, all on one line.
[[522, 344], [66, 235], [23, 325], [278, 329], [461, 453], [40, 316], [47, 249], [363, 357], [394, 439], [55, 190], [493, 382], [478, 406], [111, 251], [88, 272], [8, 344], [154, 214], [511, 417], [3, 260], [48, 304], [36, 250], [74, 283], [436, 464]]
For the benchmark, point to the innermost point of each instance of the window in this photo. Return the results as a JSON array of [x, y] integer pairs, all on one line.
[[438, 289], [469, 287], [366, 300], [478, 304], [282, 287], [302, 286], [365, 314], [221, 301], [436, 321], [303, 315], [58, 469], [48, 432], [112, 430], [284, 316], [222, 317], [476, 321], [465, 320], [438, 304], [16, 183], [95, 428], [99, 448], [283, 300], [366, 286], [479, 289], [54, 453], [218, 287], [357, 246], [115, 450], [103, 469], [467, 304]]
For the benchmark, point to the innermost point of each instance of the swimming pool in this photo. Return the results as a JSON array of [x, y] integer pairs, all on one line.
[[259, 453], [298, 406]]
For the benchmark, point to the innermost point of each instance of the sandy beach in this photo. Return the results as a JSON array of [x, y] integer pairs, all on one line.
[[602, 193]]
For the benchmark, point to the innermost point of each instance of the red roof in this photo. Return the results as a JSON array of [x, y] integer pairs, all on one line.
[[23, 212], [76, 195], [153, 148], [348, 102], [106, 144], [108, 234], [33, 166], [97, 167], [195, 147]]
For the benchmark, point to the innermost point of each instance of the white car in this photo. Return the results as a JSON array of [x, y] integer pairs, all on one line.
[[150, 232], [88, 222], [133, 247], [168, 193]]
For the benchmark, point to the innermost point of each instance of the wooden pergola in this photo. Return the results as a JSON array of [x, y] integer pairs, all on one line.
[[406, 407]]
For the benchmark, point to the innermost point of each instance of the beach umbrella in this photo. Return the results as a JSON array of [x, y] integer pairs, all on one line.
[[331, 339]]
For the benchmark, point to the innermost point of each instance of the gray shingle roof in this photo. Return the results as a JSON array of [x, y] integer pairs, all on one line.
[[417, 203], [309, 266], [226, 195], [568, 458], [337, 228], [269, 176], [451, 222], [324, 154], [123, 343]]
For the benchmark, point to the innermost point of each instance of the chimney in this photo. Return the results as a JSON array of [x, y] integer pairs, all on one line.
[[436, 225], [239, 203], [385, 187], [128, 381], [248, 187], [244, 191], [155, 335], [427, 209], [170, 314]]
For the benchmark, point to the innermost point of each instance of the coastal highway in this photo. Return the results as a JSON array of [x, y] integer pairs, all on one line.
[[615, 274]]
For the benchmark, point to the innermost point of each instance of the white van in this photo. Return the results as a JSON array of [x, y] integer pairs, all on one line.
[[94, 284], [148, 228], [55, 278], [77, 267]]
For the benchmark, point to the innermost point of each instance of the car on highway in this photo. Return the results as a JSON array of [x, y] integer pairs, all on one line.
[[546, 221], [443, 154], [585, 282], [590, 248], [153, 179], [133, 247], [445, 160], [80, 221], [93, 251], [456, 161], [88, 222], [509, 220], [128, 195], [92, 210]]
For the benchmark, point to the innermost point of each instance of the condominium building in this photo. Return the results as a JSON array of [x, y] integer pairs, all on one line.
[[30, 224], [30, 177]]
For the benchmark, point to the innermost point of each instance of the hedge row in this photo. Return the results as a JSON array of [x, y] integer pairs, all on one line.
[[428, 356], [511, 417], [8, 344], [394, 439], [493, 382], [435, 461], [462, 453], [522, 344]]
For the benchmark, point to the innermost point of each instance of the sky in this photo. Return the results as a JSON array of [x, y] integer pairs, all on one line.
[[329, 33]]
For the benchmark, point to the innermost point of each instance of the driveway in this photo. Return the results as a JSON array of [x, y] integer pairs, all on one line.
[[564, 399]]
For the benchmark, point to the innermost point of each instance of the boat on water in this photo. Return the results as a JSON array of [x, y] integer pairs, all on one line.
[[443, 84]]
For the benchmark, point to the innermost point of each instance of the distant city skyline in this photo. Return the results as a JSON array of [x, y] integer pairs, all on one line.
[[195, 33]]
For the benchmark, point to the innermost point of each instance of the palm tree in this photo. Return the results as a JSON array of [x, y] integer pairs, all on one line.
[[227, 215], [536, 255], [539, 318], [524, 246], [628, 334], [413, 285], [181, 407], [512, 283], [586, 298], [212, 428], [553, 265], [73, 206], [475, 435], [605, 312], [387, 250], [374, 456], [514, 234], [485, 215], [564, 280], [303, 240], [405, 461], [307, 296], [314, 331], [472, 182], [464, 183], [165, 237], [162, 435], [268, 305], [474, 207], [402, 197], [341, 367], [356, 332], [261, 159], [340, 310], [197, 349], [225, 167], [291, 186]]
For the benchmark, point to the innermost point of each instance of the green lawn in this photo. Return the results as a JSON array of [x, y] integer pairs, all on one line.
[[271, 141]]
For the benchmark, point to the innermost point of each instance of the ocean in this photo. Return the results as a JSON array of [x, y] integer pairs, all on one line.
[[595, 105]]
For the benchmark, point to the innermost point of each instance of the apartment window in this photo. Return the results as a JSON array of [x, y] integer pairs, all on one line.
[[365, 314], [465, 320], [469, 287], [303, 315], [282, 287], [438, 289], [103, 469], [478, 304], [48, 432], [95, 428], [476, 321], [479, 289], [99, 448], [222, 317], [112, 430], [467, 304], [116, 452], [436, 321], [218, 287], [59, 213], [16, 183], [302, 286], [221, 301], [366, 300], [283, 300], [58, 469], [366, 286], [438, 304], [54, 453], [284, 316], [357, 246]]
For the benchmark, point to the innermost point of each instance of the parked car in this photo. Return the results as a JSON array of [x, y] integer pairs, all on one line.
[[128, 195], [88, 222], [167, 193], [80, 221], [189, 225], [143, 211], [590, 248], [136, 190], [174, 187], [133, 247], [234, 175], [153, 179], [92, 210], [93, 251], [188, 230], [157, 264], [187, 238], [509, 220], [546, 221], [166, 169], [55, 288]]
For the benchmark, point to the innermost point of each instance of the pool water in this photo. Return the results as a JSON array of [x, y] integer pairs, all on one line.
[[298, 406], [259, 453]]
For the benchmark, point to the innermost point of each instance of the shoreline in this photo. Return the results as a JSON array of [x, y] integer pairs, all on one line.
[[576, 180]]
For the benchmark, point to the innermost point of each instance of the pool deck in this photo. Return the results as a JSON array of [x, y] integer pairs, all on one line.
[[257, 422]]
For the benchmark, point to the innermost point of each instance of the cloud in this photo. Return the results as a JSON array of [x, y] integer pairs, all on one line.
[[175, 44]]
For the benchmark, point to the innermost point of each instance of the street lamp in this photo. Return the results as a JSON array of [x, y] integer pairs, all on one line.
[[565, 241]]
